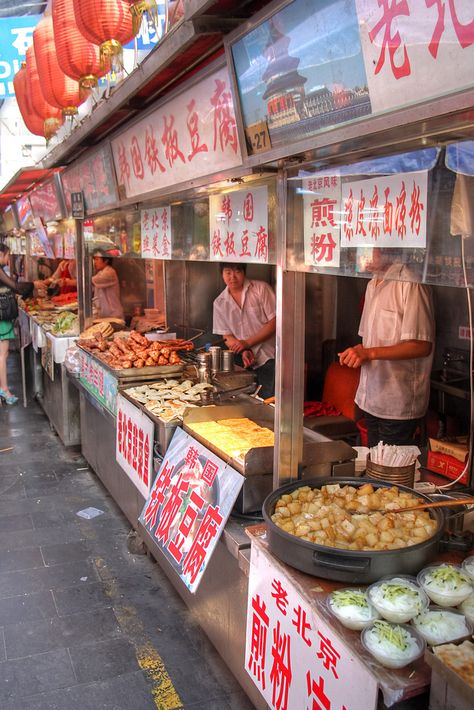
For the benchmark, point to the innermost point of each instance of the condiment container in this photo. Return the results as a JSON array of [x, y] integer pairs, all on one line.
[[215, 351], [227, 360]]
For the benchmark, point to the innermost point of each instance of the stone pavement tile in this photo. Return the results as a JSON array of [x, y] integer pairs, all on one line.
[[48, 519], [11, 487], [13, 560], [65, 552], [45, 536], [27, 607], [126, 692], [36, 674], [37, 580], [236, 701], [34, 504], [87, 597], [3, 653], [22, 640], [15, 522], [103, 660]]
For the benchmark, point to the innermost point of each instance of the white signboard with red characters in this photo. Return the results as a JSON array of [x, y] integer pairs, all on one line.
[[385, 211], [134, 444], [193, 135], [322, 220], [415, 49], [238, 223], [292, 655], [191, 500], [156, 233]]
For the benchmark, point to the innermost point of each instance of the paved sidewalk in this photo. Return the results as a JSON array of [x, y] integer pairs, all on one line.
[[84, 624]]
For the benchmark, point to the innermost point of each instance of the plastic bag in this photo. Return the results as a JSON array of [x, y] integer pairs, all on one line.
[[72, 360]]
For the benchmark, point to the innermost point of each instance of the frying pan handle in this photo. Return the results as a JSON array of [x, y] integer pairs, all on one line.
[[325, 559]]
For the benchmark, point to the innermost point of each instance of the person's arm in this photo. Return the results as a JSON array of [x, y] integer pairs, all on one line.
[[105, 278], [404, 350], [265, 332], [7, 281]]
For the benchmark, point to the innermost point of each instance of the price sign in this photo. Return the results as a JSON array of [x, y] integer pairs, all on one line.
[[258, 137], [134, 449], [77, 205]]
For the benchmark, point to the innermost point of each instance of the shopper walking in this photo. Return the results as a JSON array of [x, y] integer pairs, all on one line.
[[8, 314]]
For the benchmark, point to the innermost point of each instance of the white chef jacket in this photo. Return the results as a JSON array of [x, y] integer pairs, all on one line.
[[258, 306], [107, 293], [395, 311]]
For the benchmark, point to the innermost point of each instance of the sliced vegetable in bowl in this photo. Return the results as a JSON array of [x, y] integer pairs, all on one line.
[[352, 608], [398, 599], [445, 584], [393, 645], [440, 625]]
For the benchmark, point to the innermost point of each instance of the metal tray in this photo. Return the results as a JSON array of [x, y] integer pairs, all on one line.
[[138, 373]]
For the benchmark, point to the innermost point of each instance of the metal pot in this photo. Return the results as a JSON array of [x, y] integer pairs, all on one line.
[[351, 566]]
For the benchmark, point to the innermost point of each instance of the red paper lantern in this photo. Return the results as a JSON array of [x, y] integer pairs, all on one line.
[[58, 89], [51, 115], [78, 57], [107, 23], [32, 121]]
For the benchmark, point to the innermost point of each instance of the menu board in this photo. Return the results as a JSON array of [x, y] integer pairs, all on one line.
[[25, 215], [45, 201], [95, 178]]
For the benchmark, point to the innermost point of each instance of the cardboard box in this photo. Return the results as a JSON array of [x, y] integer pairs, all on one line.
[[458, 449], [446, 466]]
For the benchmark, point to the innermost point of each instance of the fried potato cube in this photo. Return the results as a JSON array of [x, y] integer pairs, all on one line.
[[365, 490]]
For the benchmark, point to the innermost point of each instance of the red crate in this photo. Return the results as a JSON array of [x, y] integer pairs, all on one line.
[[446, 466]]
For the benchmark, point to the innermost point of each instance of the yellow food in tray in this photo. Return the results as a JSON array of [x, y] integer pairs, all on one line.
[[235, 437]]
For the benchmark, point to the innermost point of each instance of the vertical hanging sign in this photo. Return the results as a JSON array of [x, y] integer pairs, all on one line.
[[322, 220], [238, 223], [156, 233], [134, 450]]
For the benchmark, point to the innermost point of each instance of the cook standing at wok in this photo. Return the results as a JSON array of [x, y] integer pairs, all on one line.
[[106, 287], [245, 315]]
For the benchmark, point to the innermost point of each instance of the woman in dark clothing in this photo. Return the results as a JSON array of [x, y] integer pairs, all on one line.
[[7, 331]]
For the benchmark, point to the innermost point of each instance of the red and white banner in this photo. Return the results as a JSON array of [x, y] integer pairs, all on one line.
[[190, 136], [134, 444], [156, 233], [388, 211], [415, 49], [292, 655], [322, 220], [238, 223]]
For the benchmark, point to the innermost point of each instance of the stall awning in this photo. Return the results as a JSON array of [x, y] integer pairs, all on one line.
[[460, 157], [23, 181]]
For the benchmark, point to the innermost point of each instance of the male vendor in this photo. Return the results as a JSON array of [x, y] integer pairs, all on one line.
[[244, 314]]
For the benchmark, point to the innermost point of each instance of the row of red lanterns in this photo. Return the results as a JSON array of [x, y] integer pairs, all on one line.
[[72, 48]]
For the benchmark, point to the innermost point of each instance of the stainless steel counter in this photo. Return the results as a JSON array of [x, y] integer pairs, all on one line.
[[60, 401]]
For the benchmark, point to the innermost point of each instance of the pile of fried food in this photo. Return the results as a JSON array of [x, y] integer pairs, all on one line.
[[134, 350], [168, 399], [234, 437], [350, 517], [103, 328]]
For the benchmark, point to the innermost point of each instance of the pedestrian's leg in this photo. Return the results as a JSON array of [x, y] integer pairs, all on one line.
[[3, 365]]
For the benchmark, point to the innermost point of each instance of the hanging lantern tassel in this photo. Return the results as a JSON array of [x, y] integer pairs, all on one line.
[[139, 8], [111, 55], [51, 127]]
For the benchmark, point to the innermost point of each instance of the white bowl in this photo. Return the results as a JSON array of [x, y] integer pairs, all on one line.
[[388, 654], [467, 608], [430, 622], [445, 591], [468, 567], [351, 615], [402, 608]]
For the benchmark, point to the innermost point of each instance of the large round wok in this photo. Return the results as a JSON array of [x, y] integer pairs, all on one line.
[[352, 566]]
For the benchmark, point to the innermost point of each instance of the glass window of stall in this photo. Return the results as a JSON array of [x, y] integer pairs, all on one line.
[[414, 211]]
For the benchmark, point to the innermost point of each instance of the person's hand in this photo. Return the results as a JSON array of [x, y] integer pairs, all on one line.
[[353, 356], [248, 358], [236, 345]]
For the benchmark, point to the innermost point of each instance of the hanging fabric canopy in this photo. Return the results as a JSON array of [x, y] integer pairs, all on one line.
[[460, 157]]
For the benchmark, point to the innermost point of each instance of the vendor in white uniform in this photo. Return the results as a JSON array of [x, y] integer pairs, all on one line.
[[106, 287], [245, 315], [395, 357]]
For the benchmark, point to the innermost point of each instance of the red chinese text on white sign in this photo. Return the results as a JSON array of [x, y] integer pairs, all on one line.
[[385, 211], [156, 233], [238, 224], [92, 373], [415, 49], [322, 220], [193, 135], [292, 655], [134, 444]]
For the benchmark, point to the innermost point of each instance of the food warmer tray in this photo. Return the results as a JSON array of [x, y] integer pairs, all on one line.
[[350, 566], [138, 374]]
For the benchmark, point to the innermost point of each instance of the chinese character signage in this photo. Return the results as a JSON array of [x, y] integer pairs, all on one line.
[[70, 242], [156, 233], [190, 136], [292, 655], [191, 500], [45, 202], [416, 49], [385, 211], [312, 66], [16, 35], [96, 380], [95, 178], [134, 444], [322, 220], [238, 223]]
